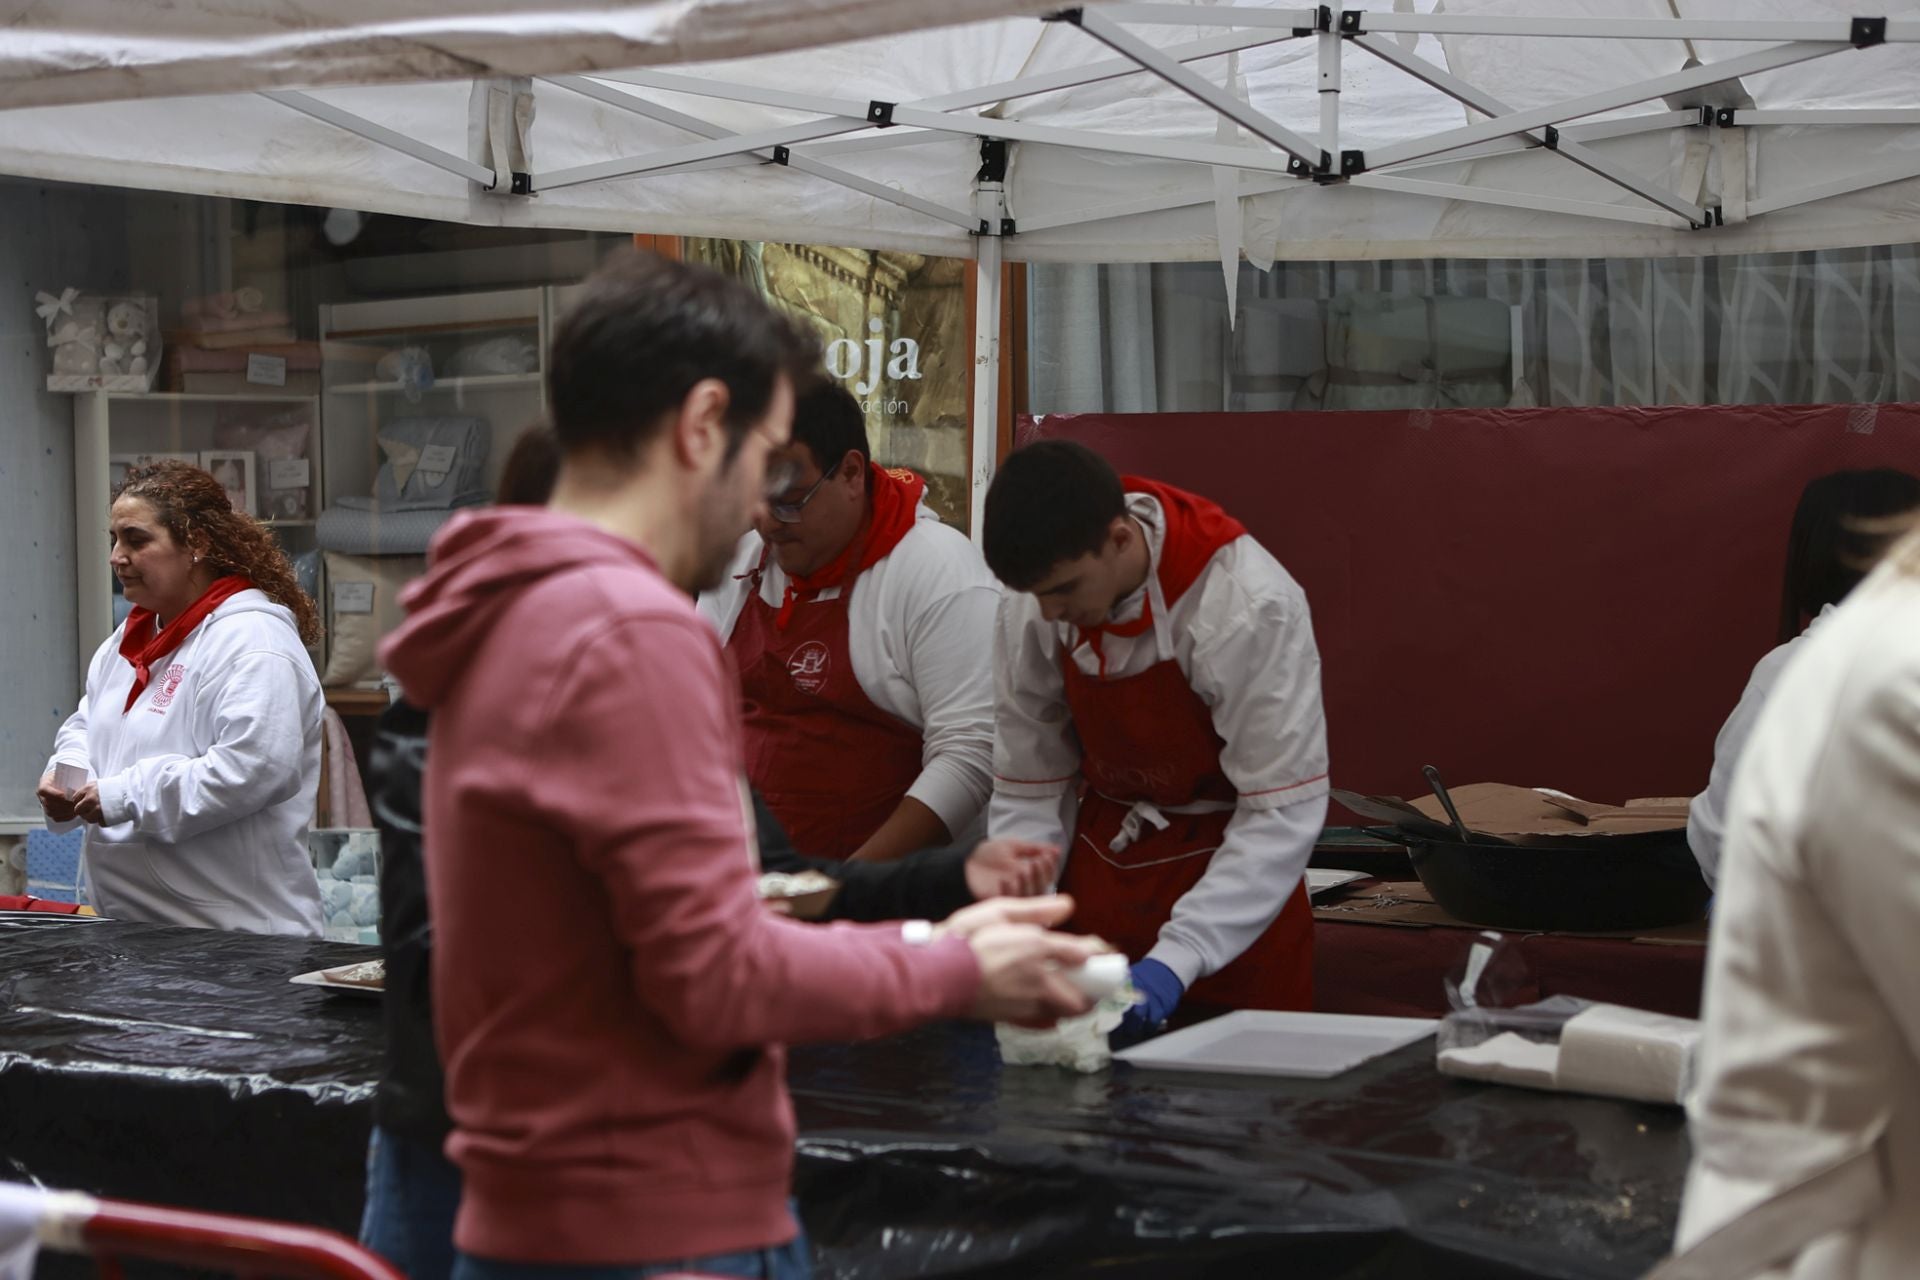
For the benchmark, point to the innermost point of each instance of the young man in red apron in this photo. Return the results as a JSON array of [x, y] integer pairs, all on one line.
[[861, 629], [1157, 694]]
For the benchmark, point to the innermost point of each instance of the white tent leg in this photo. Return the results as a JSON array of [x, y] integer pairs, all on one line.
[[1330, 42], [988, 303]]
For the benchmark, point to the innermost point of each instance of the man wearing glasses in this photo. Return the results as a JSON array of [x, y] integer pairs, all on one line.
[[862, 630]]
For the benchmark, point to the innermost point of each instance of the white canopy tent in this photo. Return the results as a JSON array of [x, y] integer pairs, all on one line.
[[1117, 132]]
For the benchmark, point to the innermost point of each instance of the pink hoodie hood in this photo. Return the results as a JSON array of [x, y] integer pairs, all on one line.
[[481, 563]]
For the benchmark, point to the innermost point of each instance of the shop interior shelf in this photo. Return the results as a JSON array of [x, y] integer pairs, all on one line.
[[442, 384]]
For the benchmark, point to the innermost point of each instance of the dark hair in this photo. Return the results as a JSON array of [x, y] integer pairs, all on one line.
[[533, 464], [827, 419], [187, 500], [645, 330], [1845, 522], [1051, 501]]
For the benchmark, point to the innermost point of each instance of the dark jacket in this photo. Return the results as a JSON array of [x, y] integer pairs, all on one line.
[[931, 884]]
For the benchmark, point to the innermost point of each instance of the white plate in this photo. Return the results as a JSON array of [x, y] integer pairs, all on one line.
[[328, 978], [1265, 1042], [48, 917], [1321, 879]]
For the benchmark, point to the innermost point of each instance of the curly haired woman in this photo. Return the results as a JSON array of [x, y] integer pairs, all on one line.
[[199, 735]]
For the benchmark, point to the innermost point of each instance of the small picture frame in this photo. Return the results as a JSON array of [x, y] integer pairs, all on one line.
[[233, 468], [287, 504]]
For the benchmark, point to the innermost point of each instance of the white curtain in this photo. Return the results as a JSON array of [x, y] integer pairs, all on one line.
[[1832, 326]]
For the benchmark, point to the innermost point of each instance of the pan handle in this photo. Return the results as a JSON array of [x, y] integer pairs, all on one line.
[[1446, 802]]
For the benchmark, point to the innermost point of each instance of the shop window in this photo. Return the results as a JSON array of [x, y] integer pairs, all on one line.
[[1833, 326]]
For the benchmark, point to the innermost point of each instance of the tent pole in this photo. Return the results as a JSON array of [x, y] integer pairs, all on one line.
[[988, 302], [1330, 42]]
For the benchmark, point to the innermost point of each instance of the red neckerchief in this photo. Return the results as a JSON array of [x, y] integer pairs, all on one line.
[[1194, 530], [895, 506], [141, 622], [1092, 636]]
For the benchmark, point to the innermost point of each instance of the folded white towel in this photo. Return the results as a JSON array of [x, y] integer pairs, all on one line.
[[1628, 1053], [1606, 1049], [1508, 1058]]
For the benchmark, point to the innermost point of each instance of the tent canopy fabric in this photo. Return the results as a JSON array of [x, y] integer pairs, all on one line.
[[1132, 132]]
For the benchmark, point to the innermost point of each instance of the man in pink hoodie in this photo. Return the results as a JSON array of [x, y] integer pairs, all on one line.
[[610, 997]]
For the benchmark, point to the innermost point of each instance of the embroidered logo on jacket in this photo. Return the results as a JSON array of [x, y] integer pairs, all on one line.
[[809, 666], [169, 685]]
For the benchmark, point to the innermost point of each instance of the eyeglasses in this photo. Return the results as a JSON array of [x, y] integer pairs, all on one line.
[[790, 512]]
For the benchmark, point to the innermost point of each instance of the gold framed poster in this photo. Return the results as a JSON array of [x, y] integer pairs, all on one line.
[[896, 333]]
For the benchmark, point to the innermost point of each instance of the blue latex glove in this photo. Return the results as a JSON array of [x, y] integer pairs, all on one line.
[[1162, 992]]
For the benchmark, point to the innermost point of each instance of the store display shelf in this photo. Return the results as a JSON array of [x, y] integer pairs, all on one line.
[[441, 384], [210, 397], [351, 700]]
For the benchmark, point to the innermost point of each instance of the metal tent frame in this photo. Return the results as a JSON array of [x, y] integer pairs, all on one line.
[[1711, 108]]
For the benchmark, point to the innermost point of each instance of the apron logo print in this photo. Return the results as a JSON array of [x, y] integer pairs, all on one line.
[[809, 666], [170, 685]]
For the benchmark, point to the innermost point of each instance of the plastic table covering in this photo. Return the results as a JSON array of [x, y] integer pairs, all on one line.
[[178, 1066]]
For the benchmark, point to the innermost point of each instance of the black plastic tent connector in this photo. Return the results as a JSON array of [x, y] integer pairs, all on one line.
[[522, 183], [880, 114], [781, 155], [1867, 32], [993, 160]]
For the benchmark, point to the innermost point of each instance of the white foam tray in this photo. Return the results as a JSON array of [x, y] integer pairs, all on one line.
[[1263, 1042], [1322, 879]]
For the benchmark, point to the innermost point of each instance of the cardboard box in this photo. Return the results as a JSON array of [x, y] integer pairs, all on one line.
[[1519, 815], [1410, 906]]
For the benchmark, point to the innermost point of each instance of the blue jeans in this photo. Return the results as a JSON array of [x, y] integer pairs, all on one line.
[[790, 1261], [413, 1192]]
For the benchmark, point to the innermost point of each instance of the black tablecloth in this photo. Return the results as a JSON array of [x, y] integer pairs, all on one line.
[[178, 1066]]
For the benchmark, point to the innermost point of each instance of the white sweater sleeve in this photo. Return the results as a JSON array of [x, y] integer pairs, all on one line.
[[948, 661], [70, 747], [1707, 813], [70, 743], [1251, 876], [257, 719], [1036, 754], [1258, 668], [1863, 830]]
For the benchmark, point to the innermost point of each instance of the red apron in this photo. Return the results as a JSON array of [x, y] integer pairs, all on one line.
[[1150, 738], [830, 764]]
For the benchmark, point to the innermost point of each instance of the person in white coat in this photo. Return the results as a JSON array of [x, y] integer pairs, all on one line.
[[1842, 525], [194, 756], [861, 628], [1806, 1118]]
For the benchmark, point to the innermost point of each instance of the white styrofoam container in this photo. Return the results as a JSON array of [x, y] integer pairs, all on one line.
[[1266, 1042]]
